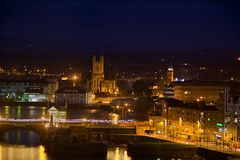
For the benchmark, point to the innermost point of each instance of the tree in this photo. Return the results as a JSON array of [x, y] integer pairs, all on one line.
[[143, 88], [124, 87]]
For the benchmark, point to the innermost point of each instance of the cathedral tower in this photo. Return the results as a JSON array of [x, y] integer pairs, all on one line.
[[97, 73]]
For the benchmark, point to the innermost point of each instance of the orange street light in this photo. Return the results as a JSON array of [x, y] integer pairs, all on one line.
[[74, 79]]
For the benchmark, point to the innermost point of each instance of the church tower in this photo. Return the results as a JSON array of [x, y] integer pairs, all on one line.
[[97, 73], [170, 75]]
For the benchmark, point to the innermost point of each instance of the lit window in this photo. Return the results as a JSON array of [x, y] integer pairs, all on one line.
[[235, 120]]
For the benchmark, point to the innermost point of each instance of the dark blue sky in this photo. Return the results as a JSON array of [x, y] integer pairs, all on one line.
[[77, 26]]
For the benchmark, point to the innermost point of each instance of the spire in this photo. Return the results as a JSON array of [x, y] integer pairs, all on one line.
[[170, 74]]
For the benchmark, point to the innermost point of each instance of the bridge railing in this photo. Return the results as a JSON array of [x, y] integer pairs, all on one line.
[[68, 123], [22, 120], [65, 121]]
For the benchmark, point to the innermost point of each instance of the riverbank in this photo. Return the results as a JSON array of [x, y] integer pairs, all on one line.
[[210, 152]]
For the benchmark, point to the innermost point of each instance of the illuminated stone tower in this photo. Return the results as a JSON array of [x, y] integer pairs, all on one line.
[[170, 75], [97, 73]]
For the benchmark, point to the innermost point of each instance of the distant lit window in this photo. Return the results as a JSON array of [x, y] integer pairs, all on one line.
[[235, 120]]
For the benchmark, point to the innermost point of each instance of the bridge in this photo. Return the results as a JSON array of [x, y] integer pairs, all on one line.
[[41, 126], [115, 133], [66, 123]]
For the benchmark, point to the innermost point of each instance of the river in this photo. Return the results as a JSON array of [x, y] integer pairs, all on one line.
[[23, 152], [25, 145]]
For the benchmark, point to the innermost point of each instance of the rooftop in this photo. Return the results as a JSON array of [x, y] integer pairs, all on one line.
[[207, 83], [171, 102], [71, 90]]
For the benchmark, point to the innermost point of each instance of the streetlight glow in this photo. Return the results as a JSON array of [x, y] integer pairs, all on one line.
[[74, 77]]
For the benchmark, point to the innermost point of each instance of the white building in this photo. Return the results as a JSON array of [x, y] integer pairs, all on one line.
[[73, 95], [55, 116]]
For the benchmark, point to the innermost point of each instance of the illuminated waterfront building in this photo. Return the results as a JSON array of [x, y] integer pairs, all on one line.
[[26, 90], [73, 95], [224, 95], [231, 123], [186, 120]]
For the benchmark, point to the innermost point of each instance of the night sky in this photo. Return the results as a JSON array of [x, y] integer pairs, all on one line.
[[75, 27]]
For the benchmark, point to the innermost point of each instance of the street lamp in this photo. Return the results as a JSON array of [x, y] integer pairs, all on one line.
[[74, 79], [166, 120], [129, 110], [180, 122], [118, 107], [198, 131], [179, 125], [124, 110]]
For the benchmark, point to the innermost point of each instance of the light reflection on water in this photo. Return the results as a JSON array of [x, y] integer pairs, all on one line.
[[117, 153], [33, 112], [12, 148], [21, 152]]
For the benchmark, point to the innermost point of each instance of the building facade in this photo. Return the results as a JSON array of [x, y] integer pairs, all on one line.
[[28, 90], [231, 115], [209, 91], [74, 95], [194, 121], [168, 91], [109, 86]]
